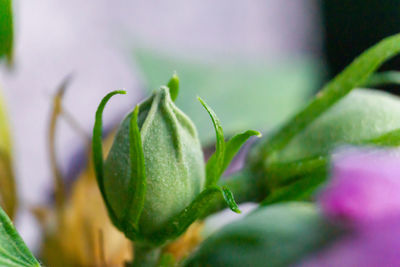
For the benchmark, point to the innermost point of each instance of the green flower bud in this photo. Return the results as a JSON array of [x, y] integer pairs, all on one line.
[[173, 160], [278, 235], [154, 181], [360, 116], [364, 117]]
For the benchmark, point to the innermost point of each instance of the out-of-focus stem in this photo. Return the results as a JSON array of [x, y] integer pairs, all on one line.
[[251, 185], [58, 179], [145, 256]]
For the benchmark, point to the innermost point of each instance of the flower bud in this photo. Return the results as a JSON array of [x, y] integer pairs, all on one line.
[[173, 160], [360, 116]]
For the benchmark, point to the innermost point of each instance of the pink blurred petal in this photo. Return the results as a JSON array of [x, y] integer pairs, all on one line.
[[364, 186]]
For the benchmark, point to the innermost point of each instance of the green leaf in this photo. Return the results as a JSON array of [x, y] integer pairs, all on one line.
[[231, 149], [13, 251], [383, 78], [352, 76], [137, 183], [97, 149], [173, 86], [234, 144], [283, 173], [228, 196], [391, 139], [300, 190], [8, 194], [274, 89], [6, 30], [214, 167]]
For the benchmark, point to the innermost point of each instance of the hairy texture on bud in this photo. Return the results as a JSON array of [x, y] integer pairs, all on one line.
[[174, 163], [362, 115]]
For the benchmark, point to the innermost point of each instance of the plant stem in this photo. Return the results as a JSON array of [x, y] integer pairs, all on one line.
[[245, 188], [145, 256]]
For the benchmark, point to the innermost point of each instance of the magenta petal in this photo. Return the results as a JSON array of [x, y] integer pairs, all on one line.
[[364, 186]]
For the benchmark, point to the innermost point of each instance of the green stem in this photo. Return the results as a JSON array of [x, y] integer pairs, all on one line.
[[146, 256], [282, 174], [248, 186], [245, 188]]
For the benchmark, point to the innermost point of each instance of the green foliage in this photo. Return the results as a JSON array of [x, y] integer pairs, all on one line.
[[6, 30], [173, 86], [234, 144], [137, 182], [278, 235], [97, 149], [223, 155], [229, 199], [8, 194], [364, 117], [215, 165], [329, 120], [360, 116], [390, 139], [301, 189], [247, 93], [356, 74], [13, 251], [224, 151]]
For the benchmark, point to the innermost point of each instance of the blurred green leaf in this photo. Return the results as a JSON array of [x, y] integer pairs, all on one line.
[[300, 190], [278, 235], [234, 144], [6, 30], [246, 93], [8, 195], [13, 251], [283, 173]]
